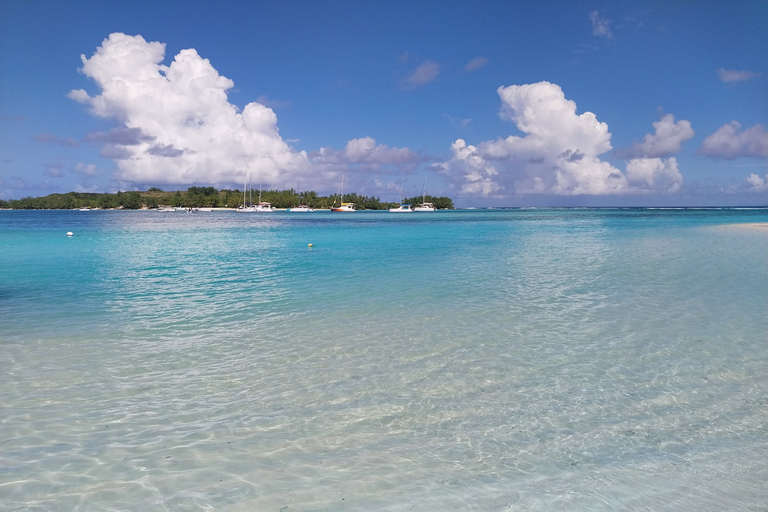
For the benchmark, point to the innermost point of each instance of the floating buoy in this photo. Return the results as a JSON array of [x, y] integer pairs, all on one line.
[[310, 245], [69, 233]]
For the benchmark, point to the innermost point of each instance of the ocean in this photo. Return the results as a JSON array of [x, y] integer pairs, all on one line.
[[473, 360]]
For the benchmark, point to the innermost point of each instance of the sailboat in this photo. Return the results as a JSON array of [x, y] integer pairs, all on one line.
[[402, 208], [345, 207], [245, 207], [424, 206], [302, 207], [248, 207]]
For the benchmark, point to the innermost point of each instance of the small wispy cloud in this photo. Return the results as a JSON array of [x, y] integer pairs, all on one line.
[[87, 188], [404, 57], [475, 64], [461, 123], [86, 170], [49, 138], [13, 119], [601, 26], [54, 170], [120, 136], [272, 103], [426, 72], [342, 83], [731, 75]]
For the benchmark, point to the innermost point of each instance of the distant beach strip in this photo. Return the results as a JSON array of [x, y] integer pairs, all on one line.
[[759, 226]]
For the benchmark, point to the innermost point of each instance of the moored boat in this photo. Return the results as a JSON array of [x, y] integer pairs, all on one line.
[[345, 207], [401, 208], [260, 207], [301, 208], [424, 206]]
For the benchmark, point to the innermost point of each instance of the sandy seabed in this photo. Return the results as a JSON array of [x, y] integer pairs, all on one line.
[[760, 226]]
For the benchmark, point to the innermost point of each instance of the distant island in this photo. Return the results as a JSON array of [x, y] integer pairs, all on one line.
[[202, 197]]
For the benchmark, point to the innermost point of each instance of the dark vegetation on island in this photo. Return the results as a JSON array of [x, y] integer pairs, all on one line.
[[198, 197]]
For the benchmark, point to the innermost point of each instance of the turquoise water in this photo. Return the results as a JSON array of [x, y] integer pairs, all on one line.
[[467, 360]]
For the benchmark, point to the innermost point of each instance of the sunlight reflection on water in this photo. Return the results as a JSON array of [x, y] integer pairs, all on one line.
[[525, 361]]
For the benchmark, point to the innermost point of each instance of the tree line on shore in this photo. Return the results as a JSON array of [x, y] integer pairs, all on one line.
[[197, 197]]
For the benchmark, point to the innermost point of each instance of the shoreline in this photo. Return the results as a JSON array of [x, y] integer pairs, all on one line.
[[469, 208], [757, 226]]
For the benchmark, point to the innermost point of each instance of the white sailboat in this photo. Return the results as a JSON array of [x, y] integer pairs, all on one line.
[[302, 208], [402, 208], [261, 207], [424, 206], [345, 207]]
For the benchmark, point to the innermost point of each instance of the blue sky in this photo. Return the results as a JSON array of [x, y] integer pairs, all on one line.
[[562, 103]]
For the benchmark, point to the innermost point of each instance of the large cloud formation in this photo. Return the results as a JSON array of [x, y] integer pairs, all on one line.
[[559, 153], [179, 127]]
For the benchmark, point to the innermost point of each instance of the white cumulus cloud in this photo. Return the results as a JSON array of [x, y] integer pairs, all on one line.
[[365, 152], [183, 129], [558, 154], [86, 169], [654, 174], [730, 141], [477, 173], [666, 141], [757, 183]]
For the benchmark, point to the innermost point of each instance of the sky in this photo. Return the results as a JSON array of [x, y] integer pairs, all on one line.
[[491, 103]]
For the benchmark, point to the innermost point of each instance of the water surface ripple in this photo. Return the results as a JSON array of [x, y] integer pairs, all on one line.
[[478, 360]]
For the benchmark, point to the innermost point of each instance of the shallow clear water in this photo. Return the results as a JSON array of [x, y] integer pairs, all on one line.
[[475, 360]]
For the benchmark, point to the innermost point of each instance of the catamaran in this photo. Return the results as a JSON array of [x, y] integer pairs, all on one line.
[[402, 208], [248, 207], [302, 207]]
